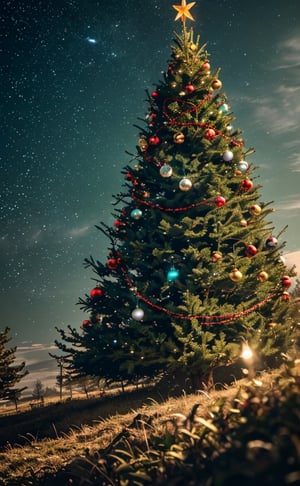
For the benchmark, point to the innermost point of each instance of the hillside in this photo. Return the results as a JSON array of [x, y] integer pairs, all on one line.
[[245, 433]]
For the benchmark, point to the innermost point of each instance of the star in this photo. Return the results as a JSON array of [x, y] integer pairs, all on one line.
[[184, 10]]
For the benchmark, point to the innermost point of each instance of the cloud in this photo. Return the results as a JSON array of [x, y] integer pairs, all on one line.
[[279, 109], [293, 258], [290, 53], [39, 365], [295, 162], [79, 231], [291, 203]]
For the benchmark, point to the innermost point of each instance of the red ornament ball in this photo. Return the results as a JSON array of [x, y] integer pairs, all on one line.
[[286, 296], [251, 251], [154, 140], [219, 201], [206, 65], [118, 223], [210, 134], [246, 185], [85, 324], [189, 88], [286, 281], [96, 293], [112, 263], [155, 94]]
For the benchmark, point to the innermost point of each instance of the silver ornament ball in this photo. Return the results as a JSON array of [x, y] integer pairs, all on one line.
[[137, 314], [166, 171]]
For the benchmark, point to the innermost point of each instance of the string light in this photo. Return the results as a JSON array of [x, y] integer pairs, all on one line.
[[247, 353]]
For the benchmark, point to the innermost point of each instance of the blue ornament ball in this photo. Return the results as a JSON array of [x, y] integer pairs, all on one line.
[[136, 214], [172, 275], [224, 108]]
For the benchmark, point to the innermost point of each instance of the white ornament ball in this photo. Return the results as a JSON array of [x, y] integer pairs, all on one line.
[[228, 155], [166, 171], [185, 184], [137, 314], [243, 165]]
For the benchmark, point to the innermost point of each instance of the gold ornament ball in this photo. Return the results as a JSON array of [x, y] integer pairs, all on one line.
[[185, 184], [216, 84], [236, 275], [178, 138], [255, 210], [143, 144], [262, 276], [243, 223], [272, 324]]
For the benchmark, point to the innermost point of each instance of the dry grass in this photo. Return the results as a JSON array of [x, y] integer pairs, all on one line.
[[19, 464]]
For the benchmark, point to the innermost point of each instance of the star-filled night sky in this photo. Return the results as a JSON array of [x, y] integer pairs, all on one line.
[[73, 79]]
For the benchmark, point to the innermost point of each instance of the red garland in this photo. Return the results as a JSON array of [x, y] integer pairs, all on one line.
[[170, 210], [207, 320], [174, 121]]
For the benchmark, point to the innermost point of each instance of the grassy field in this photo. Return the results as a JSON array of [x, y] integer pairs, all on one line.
[[141, 437]]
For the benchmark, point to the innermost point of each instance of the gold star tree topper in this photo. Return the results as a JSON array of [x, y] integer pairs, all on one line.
[[184, 10]]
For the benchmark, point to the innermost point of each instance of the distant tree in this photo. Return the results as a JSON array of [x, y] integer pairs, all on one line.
[[10, 374], [50, 391], [38, 391], [60, 379], [87, 384], [69, 382], [15, 396]]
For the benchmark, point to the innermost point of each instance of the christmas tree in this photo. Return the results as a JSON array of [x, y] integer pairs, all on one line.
[[194, 271]]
